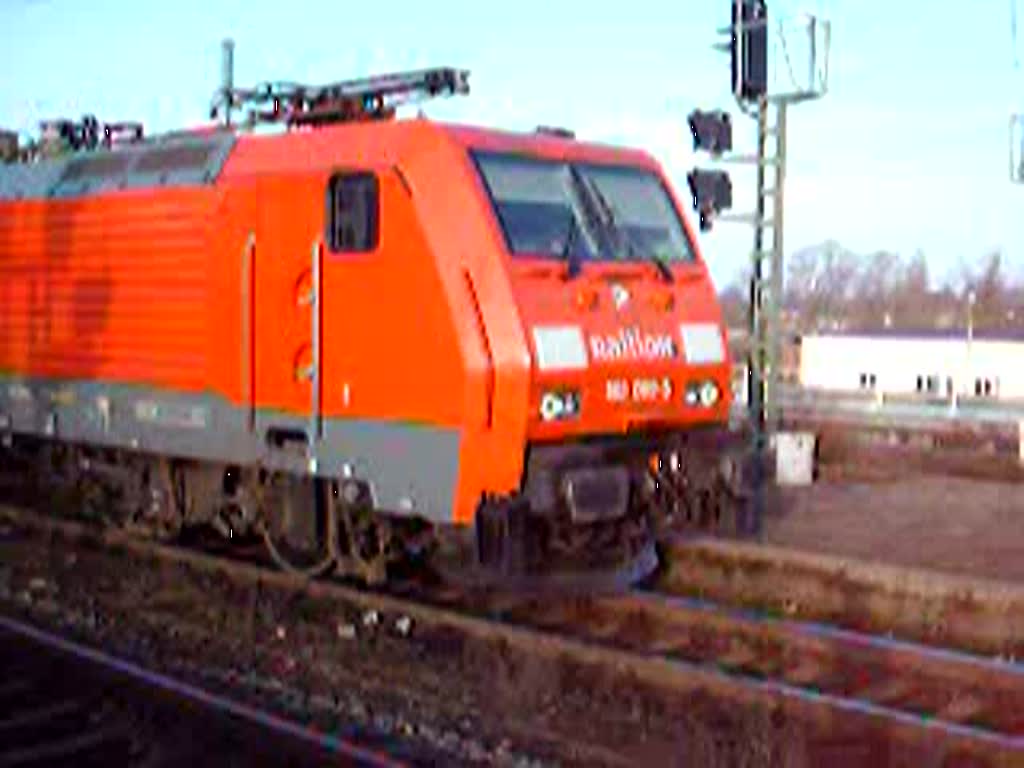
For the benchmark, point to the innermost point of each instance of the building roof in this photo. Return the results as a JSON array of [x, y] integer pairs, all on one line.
[[938, 334]]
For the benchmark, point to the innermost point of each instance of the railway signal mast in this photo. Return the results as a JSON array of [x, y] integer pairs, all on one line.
[[758, 51]]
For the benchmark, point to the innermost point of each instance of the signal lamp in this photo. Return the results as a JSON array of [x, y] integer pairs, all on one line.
[[711, 131], [711, 192], [749, 49]]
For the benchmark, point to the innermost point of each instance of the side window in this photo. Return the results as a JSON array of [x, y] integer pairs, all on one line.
[[353, 212]]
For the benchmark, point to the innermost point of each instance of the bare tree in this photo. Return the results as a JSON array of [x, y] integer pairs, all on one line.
[[914, 303], [820, 285], [829, 287], [734, 300], [990, 288], [876, 285]]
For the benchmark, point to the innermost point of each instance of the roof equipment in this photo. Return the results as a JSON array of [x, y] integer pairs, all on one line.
[[370, 98]]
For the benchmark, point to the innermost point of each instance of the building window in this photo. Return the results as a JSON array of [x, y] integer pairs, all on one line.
[[353, 213], [929, 384]]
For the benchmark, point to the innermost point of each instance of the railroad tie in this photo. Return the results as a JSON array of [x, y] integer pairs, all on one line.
[[888, 690], [668, 644], [961, 708], [805, 672], [738, 656]]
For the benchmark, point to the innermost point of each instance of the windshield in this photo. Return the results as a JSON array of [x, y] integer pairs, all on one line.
[[596, 212]]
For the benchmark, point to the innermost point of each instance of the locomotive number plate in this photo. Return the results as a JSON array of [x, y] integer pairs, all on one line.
[[644, 390]]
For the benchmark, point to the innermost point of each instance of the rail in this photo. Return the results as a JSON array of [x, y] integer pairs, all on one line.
[[835, 682], [57, 707]]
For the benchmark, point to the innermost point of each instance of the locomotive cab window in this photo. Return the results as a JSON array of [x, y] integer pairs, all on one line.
[[606, 213], [353, 203]]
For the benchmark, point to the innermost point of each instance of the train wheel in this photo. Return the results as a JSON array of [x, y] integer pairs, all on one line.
[[694, 492], [299, 526], [364, 544], [374, 547]]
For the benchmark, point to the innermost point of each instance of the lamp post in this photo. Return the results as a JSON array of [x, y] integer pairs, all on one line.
[[971, 298], [966, 371]]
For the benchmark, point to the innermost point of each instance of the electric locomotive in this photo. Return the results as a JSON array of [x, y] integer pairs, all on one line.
[[369, 340]]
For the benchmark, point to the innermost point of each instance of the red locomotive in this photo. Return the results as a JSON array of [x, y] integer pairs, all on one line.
[[363, 337]]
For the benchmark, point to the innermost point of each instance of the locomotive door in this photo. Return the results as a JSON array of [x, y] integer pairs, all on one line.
[[287, 305]]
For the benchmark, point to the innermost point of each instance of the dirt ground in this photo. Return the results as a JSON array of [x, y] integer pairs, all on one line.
[[975, 527], [462, 697]]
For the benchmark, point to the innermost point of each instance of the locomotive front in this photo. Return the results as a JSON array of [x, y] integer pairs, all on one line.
[[629, 369]]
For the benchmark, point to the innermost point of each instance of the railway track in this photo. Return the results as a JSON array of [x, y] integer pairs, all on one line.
[[65, 703], [864, 691], [936, 609], [944, 690]]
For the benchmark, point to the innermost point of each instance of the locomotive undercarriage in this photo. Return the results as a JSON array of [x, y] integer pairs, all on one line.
[[309, 526], [588, 514]]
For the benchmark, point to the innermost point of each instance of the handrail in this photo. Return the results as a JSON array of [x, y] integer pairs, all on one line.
[[248, 365], [316, 320]]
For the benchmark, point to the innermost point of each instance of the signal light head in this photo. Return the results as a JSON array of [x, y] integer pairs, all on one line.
[[711, 192], [749, 49], [711, 131]]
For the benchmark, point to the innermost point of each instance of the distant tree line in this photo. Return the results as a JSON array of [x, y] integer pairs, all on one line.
[[828, 287]]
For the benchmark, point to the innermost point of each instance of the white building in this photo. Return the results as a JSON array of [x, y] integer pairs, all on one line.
[[932, 364]]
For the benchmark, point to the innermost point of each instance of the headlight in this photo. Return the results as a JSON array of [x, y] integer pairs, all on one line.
[[692, 397], [702, 393], [558, 405], [709, 394]]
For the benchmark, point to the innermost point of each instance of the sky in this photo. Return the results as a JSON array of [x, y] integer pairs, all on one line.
[[907, 150]]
